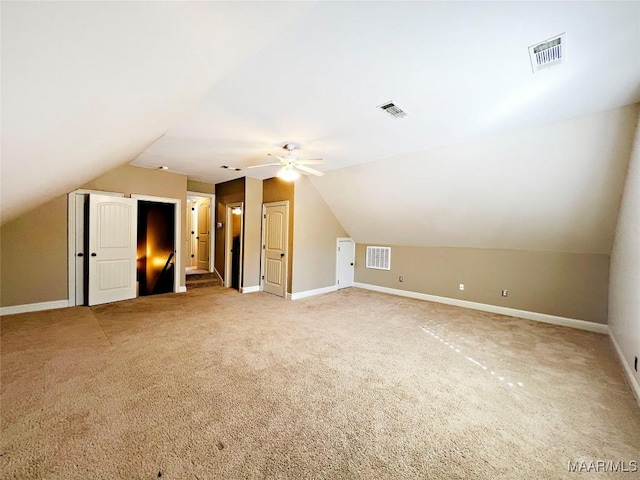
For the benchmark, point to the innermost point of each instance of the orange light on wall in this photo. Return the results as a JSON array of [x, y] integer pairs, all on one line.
[[158, 262]]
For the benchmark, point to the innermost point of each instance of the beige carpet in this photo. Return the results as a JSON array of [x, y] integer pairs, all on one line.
[[194, 271], [354, 384]]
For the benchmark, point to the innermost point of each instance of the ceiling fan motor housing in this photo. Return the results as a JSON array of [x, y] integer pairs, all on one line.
[[290, 146]]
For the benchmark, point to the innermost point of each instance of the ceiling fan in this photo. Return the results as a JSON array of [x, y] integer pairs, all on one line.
[[289, 163]]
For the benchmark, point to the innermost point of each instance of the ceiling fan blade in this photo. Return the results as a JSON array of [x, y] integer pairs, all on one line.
[[312, 171], [282, 160], [266, 165], [315, 161]]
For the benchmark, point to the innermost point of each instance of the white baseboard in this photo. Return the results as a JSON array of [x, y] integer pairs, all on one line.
[[627, 369], [512, 312], [255, 288], [312, 293], [182, 289], [34, 307]]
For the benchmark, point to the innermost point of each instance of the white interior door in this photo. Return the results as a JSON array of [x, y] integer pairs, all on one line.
[[275, 245], [345, 264], [112, 248], [204, 232]]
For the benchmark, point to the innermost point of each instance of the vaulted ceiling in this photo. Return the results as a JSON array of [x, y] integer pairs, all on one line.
[[197, 85]]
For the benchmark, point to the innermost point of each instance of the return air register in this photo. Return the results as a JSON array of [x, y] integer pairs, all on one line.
[[549, 53], [393, 110], [379, 258]]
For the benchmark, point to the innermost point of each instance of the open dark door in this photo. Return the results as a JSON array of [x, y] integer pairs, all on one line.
[[235, 263], [156, 247]]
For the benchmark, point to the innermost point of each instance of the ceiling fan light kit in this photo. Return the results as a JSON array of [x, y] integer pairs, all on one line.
[[290, 164], [288, 174]]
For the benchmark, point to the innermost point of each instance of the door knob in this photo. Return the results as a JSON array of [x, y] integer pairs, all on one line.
[[281, 255], [81, 254], [94, 254]]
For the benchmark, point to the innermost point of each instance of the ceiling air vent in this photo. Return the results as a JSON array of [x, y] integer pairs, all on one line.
[[379, 258], [227, 167], [392, 110], [548, 53]]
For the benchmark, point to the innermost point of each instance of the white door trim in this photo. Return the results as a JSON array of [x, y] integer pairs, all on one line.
[[212, 236], [338, 240], [228, 239], [71, 239], [177, 235]]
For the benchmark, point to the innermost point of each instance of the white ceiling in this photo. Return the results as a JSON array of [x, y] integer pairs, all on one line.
[[89, 86], [460, 69]]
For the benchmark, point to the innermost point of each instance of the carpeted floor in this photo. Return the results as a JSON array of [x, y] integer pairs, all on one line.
[[194, 271], [213, 384]]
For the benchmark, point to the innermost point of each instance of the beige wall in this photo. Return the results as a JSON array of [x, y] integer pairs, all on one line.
[[227, 192], [33, 258], [146, 181], [201, 187], [564, 284], [315, 231], [624, 286], [277, 190], [252, 242]]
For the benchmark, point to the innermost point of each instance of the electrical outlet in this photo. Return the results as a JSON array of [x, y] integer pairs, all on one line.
[[401, 278], [635, 364], [461, 286], [505, 293]]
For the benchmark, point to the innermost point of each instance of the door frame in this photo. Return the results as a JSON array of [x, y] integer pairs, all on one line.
[[344, 239], [228, 242], [72, 220], [263, 252], [212, 236], [177, 236]]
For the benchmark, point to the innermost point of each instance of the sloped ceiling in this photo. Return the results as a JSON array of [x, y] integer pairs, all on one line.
[[554, 187], [88, 86], [229, 83]]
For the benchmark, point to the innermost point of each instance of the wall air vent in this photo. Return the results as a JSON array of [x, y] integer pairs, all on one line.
[[393, 110], [379, 258], [548, 53]]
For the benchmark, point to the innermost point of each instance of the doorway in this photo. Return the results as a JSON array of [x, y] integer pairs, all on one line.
[[275, 245], [78, 244], [83, 265], [155, 248], [200, 240], [345, 260], [233, 245]]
